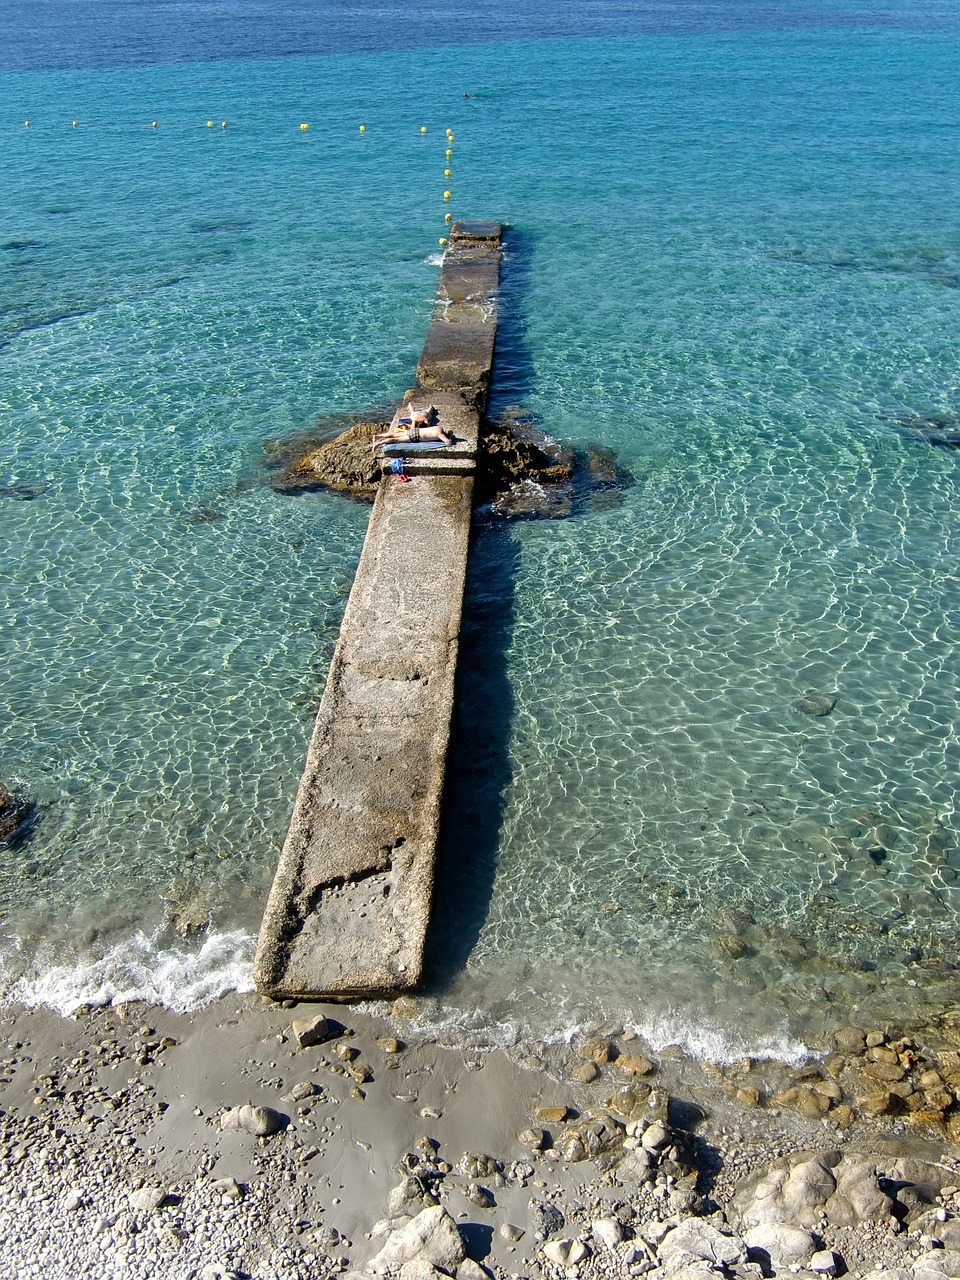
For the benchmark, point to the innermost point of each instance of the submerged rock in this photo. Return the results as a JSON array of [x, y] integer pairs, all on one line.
[[189, 904], [22, 492], [941, 429], [815, 703], [15, 813]]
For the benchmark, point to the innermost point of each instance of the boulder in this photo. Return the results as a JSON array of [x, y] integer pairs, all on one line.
[[546, 1218], [408, 1198], [419, 1268], [566, 1253], [148, 1198], [345, 463], [260, 1121], [779, 1246], [470, 1270], [431, 1236], [938, 1264], [858, 1197], [593, 1138], [311, 1031], [799, 1189], [699, 1240], [608, 1231]]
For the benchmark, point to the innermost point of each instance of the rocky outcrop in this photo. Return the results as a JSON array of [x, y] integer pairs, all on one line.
[[345, 463], [842, 1188], [522, 472]]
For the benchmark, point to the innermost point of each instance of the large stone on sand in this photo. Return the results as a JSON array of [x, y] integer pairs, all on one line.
[[695, 1239], [780, 1245], [432, 1235], [260, 1121]]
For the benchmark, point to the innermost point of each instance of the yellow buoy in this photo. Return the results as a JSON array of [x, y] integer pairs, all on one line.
[[304, 127], [448, 217], [443, 240], [223, 124], [446, 195], [363, 128], [446, 173], [75, 123], [26, 124], [448, 152], [209, 124], [450, 137], [153, 124], [423, 128]]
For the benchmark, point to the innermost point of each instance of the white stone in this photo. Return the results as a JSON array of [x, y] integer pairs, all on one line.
[[654, 1137], [432, 1234], [565, 1253], [608, 1231], [148, 1198], [784, 1245], [260, 1121], [825, 1262], [702, 1240]]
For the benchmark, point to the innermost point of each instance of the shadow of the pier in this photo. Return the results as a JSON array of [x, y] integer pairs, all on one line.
[[513, 372], [479, 766]]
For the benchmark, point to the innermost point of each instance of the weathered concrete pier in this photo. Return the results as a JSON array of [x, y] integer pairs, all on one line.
[[348, 912]]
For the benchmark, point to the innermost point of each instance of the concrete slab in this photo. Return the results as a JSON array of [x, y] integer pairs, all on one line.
[[348, 912]]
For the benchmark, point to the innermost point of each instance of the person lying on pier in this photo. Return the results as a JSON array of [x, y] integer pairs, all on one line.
[[420, 425]]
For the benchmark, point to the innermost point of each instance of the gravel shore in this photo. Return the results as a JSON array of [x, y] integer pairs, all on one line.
[[250, 1140]]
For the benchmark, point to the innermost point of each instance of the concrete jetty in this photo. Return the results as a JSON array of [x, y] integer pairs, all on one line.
[[348, 912]]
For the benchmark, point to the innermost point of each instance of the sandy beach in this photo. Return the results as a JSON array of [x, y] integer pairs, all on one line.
[[119, 1157]]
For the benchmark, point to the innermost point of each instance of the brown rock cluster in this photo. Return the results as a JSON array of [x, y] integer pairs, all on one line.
[[877, 1074], [345, 463], [525, 473]]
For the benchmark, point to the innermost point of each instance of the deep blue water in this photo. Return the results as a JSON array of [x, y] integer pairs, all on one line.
[[731, 258], [61, 34]]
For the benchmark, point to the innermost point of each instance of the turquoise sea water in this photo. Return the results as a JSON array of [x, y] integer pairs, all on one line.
[[733, 257]]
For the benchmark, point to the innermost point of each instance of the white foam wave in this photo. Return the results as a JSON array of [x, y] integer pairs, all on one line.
[[182, 978], [456, 1027], [711, 1042], [433, 260]]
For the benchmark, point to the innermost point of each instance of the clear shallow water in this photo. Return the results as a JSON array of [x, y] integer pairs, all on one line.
[[732, 261]]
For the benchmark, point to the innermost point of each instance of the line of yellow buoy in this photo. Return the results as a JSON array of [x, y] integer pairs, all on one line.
[[223, 124], [305, 127], [447, 195]]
